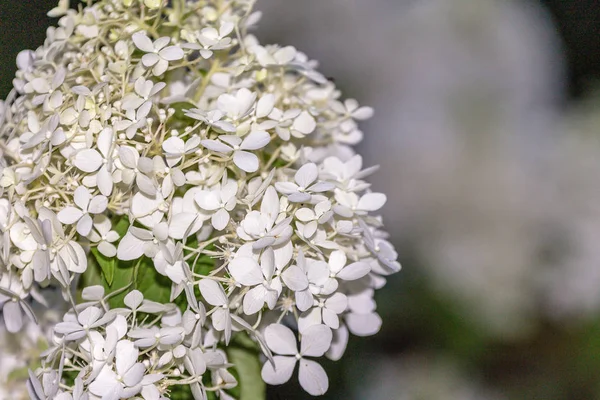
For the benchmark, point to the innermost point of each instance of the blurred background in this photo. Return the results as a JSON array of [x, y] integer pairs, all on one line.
[[487, 131]]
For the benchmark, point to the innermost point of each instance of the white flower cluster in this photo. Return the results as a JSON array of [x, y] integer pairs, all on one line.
[[169, 119]]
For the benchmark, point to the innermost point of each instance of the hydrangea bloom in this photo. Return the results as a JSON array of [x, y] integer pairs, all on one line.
[[186, 188]]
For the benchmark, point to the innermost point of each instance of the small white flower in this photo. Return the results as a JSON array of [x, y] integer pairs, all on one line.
[[259, 226], [304, 186], [325, 311], [219, 202], [213, 118], [315, 342], [350, 204], [212, 39], [138, 242], [158, 54], [86, 205], [12, 303], [145, 89], [75, 328], [104, 236], [244, 159], [125, 380], [238, 105]]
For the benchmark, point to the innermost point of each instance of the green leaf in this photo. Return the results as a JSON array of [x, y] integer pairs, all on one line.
[[244, 354], [107, 265], [153, 285]]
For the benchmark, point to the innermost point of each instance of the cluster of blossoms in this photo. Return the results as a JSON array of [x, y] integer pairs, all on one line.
[[163, 139]]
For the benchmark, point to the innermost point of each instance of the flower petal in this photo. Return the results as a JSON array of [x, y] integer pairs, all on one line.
[[294, 278], [88, 160], [284, 368], [130, 248], [313, 378], [306, 175], [220, 219], [255, 141], [246, 161], [354, 271], [281, 339], [142, 41], [371, 202], [69, 215], [171, 53], [315, 341], [212, 292], [246, 271]]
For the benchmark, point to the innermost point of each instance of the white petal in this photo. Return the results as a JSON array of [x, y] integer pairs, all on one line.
[[174, 145], [104, 181], [212, 292], [337, 303], [255, 141], [160, 67], [305, 214], [134, 375], [216, 145], [254, 300], [337, 260], [150, 59], [265, 105], [246, 271], [126, 356], [313, 378], [142, 205], [245, 161], [145, 184], [184, 223], [304, 299], [363, 324], [208, 199], [88, 160], [363, 113], [281, 339], [304, 123], [338, 346], [82, 197], [84, 225], [98, 204], [284, 368], [309, 318], [142, 42], [69, 215], [354, 271], [93, 292], [13, 317], [172, 53], [270, 204], [129, 156], [130, 248], [107, 249], [220, 219], [371, 201], [315, 341], [306, 175], [330, 318], [134, 299], [294, 278], [105, 140], [286, 187]]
